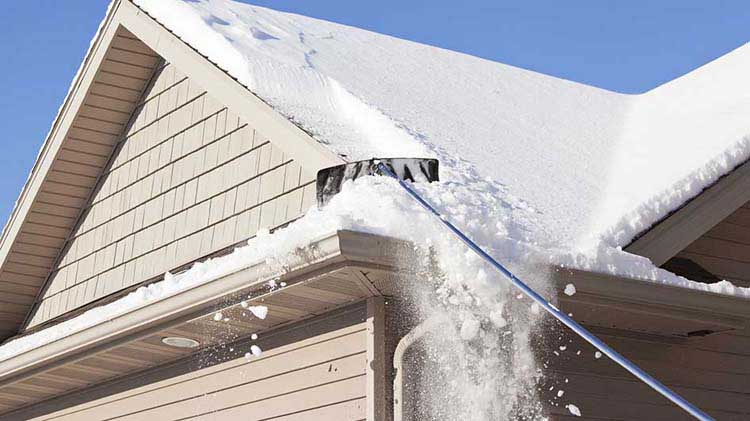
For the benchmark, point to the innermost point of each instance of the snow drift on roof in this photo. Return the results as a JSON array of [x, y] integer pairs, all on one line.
[[530, 161], [593, 163]]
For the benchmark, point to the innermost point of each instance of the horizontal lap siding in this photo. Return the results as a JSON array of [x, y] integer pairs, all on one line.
[[319, 378], [725, 249], [189, 179], [712, 372]]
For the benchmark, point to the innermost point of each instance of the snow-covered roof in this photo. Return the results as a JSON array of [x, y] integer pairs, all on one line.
[[591, 162], [533, 166]]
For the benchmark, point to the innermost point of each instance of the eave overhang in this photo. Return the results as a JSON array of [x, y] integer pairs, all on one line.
[[86, 132], [631, 304], [694, 218], [335, 271], [338, 270]]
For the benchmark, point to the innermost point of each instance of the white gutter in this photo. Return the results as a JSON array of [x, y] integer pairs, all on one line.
[[179, 307]]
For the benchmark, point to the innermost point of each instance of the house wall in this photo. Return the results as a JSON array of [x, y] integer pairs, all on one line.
[[187, 179], [725, 249], [315, 370], [712, 372]]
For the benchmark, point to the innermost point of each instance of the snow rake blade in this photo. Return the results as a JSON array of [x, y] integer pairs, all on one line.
[[402, 169], [330, 180]]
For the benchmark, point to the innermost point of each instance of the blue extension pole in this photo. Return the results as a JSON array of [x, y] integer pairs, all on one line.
[[564, 318]]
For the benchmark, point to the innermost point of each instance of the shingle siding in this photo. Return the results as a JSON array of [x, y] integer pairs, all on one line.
[[188, 179]]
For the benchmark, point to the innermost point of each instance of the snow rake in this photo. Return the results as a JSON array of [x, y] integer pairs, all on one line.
[[404, 170]]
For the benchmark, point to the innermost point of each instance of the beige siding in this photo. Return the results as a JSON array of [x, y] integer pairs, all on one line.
[[313, 371], [189, 179], [711, 372], [725, 249]]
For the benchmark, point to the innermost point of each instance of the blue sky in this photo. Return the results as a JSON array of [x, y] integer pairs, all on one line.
[[626, 46]]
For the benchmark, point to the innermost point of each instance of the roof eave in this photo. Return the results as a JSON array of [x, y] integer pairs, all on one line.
[[647, 306], [338, 252], [293, 141], [678, 229]]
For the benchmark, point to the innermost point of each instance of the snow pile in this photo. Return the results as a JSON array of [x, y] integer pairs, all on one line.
[[618, 162], [492, 326], [615, 261], [485, 328]]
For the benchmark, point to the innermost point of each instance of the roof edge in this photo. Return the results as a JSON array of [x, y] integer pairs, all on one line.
[[337, 250], [675, 231], [47, 150], [331, 252], [287, 136]]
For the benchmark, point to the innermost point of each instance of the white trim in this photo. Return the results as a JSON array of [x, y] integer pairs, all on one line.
[[675, 232], [59, 131], [376, 364]]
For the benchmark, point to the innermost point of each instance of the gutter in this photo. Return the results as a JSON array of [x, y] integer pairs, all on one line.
[[331, 252], [670, 310]]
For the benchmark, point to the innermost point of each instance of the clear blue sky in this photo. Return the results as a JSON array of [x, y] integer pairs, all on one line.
[[626, 46]]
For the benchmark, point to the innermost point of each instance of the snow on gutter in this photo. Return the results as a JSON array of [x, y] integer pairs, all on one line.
[[184, 297], [289, 256], [624, 163], [680, 308]]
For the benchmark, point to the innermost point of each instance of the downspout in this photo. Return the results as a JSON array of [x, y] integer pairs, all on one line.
[[398, 362]]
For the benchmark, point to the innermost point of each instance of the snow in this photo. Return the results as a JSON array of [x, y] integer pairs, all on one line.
[[573, 409], [469, 329], [619, 162], [503, 136], [474, 299], [569, 290], [259, 311], [255, 352]]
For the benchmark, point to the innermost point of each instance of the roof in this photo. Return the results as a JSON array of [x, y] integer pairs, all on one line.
[[126, 336], [503, 135], [106, 90], [618, 163]]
